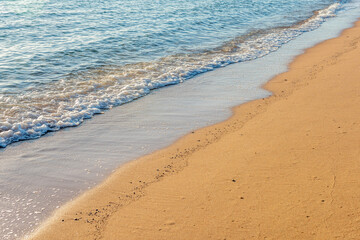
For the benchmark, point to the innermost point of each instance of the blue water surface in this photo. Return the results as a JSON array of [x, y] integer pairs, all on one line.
[[42, 41]]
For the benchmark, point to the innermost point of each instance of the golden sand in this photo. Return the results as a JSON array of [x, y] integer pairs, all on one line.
[[284, 167]]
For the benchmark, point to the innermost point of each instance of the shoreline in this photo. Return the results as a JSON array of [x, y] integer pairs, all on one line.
[[288, 33], [136, 184]]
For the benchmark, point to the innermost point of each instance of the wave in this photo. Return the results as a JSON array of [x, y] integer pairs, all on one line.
[[68, 102]]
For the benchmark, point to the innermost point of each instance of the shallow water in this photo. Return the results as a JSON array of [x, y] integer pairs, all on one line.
[[62, 62]]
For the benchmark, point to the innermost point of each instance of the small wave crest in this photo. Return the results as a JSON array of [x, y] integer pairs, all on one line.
[[66, 103]]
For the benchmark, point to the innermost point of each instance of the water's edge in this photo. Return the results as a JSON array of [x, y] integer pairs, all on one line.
[[300, 52], [62, 165]]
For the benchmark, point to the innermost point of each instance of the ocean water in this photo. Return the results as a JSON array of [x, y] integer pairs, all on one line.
[[64, 61]]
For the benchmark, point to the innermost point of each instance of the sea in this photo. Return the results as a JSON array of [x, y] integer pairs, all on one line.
[[130, 77]]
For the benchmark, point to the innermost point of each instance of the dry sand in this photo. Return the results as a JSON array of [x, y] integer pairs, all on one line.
[[284, 167]]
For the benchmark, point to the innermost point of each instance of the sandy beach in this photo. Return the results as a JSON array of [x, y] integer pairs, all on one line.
[[283, 167]]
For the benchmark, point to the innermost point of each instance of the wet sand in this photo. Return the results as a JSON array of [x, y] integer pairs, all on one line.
[[283, 167]]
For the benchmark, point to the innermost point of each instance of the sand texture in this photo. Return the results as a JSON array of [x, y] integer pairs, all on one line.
[[284, 167]]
